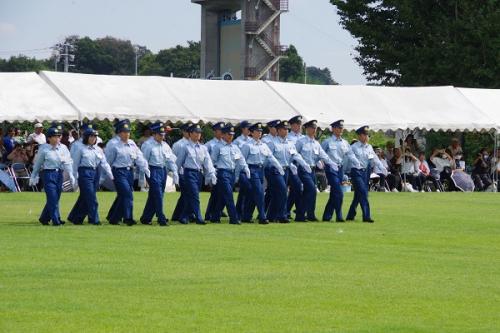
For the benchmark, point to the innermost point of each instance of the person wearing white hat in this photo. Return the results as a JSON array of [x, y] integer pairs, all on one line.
[[37, 136]]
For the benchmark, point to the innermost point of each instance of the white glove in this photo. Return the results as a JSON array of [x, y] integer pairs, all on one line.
[[213, 180], [293, 169], [307, 168], [175, 177], [34, 181], [334, 166], [147, 172], [247, 173], [281, 171], [74, 183]]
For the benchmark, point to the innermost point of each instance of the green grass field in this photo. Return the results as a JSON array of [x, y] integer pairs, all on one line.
[[430, 263]]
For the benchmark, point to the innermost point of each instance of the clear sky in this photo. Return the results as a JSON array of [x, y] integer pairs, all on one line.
[[31, 26]]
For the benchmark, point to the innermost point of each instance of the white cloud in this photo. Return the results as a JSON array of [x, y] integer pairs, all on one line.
[[7, 29]]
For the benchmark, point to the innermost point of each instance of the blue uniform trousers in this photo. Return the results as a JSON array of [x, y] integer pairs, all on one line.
[[307, 200], [224, 190], [123, 205], [154, 203], [278, 186], [86, 205], [334, 204], [255, 195], [192, 183], [52, 180], [268, 191], [294, 197], [181, 203], [360, 178], [243, 193]]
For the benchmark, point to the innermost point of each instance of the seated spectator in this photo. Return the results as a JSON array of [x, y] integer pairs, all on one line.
[[481, 170], [444, 165], [456, 152], [19, 137], [411, 144], [37, 136], [409, 170], [394, 178], [3, 153], [381, 172], [389, 150], [8, 140], [424, 172], [18, 155]]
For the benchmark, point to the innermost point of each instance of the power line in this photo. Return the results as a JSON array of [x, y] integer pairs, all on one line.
[[30, 50]]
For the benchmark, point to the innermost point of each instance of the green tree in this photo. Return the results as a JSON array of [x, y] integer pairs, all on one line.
[[292, 67], [426, 42], [179, 60], [316, 75], [22, 63]]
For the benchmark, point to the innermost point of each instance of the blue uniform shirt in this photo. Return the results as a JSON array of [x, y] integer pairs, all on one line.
[[159, 154], [242, 140], [268, 138], [311, 152], [210, 144], [228, 156], [195, 156], [365, 155], [125, 154], [294, 137], [52, 157], [340, 151], [258, 153], [285, 152], [90, 156]]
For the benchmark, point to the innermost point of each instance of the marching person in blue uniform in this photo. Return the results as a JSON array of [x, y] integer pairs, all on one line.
[[286, 153], [294, 181], [53, 158], [88, 158], [361, 175], [122, 155], [195, 161], [258, 156], [80, 207], [161, 160], [341, 153], [243, 181], [312, 153], [176, 147], [267, 139], [217, 128], [229, 162]]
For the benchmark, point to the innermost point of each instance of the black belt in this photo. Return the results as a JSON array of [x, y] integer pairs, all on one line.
[[87, 168], [156, 167], [189, 169], [124, 168], [256, 166], [52, 169]]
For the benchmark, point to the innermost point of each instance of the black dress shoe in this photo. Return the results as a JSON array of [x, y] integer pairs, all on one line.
[[263, 222], [56, 224], [313, 219], [368, 220], [129, 222], [114, 222], [96, 223], [235, 222], [285, 221], [183, 221], [44, 222], [61, 222], [325, 220], [201, 222], [163, 224], [216, 222], [299, 220], [146, 222], [340, 220], [246, 221], [349, 219]]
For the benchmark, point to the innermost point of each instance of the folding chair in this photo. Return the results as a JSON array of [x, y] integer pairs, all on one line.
[[20, 172]]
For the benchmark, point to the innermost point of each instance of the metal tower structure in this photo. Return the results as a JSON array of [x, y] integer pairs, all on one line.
[[248, 47]]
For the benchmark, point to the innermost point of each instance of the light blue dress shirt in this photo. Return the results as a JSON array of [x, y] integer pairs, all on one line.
[[228, 156], [340, 151], [312, 153], [285, 152], [242, 140], [52, 157], [125, 155], [365, 154], [194, 155], [258, 153], [210, 144], [159, 154], [294, 137], [90, 156]]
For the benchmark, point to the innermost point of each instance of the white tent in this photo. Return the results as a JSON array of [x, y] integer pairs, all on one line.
[[487, 100], [26, 97], [143, 98], [385, 108]]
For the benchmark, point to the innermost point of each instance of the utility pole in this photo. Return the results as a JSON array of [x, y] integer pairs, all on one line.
[[305, 73], [67, 57]]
